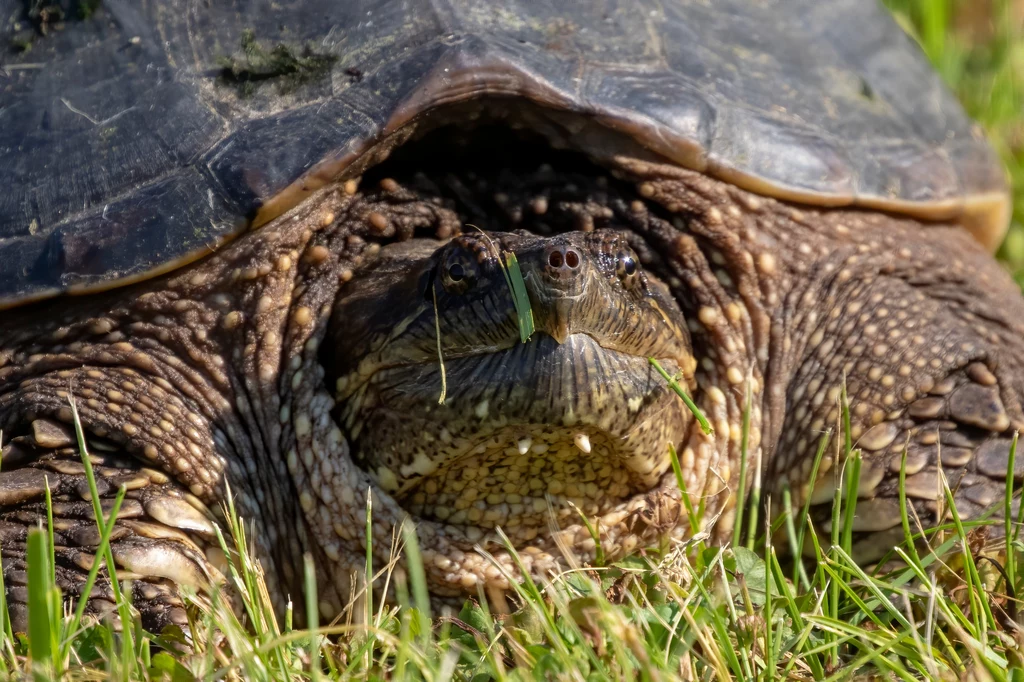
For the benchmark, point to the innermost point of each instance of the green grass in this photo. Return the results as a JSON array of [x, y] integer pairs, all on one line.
[[978, 48], [691, 610], [687, 610]]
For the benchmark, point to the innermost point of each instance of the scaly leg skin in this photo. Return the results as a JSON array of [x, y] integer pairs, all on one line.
[[924, 326], [156, 541]]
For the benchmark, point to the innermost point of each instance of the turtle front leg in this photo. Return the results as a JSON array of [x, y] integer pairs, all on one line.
[[926, 332], [921, 324], [163, 537]]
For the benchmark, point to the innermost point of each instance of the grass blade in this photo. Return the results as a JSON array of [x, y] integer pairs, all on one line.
[[418, 579], [440, 355], [705, 425], [83, 599], [41, 629], [1011, 559], [312, 615], [520, 297]]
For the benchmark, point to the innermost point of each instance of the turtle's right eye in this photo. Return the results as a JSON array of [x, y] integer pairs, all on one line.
[[626, 267], [456, 273]]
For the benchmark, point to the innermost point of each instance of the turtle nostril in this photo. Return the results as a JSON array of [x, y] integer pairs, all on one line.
[[565, 258], [564, 262]]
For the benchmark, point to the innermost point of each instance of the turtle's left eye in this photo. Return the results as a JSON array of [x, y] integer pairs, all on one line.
[[627, 267]]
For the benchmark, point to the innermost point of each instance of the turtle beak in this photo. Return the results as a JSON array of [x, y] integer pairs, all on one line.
[[558, 321]]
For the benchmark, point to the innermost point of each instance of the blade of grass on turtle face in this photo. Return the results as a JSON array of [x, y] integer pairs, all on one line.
[[517, 287], [705, 425], [520, 297], [440, 355]]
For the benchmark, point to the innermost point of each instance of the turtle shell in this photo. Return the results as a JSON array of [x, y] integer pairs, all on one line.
[[136, 135]]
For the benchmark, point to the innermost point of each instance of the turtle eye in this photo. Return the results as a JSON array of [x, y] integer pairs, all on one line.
[[626, 266], [457, 273]]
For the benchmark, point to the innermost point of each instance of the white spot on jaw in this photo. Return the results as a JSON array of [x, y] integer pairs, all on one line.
[[524, 446], [421, 464], [387, 479], [582, 441], [481, 409]]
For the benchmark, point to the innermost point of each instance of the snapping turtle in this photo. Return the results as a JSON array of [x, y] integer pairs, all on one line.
[[281, 232]]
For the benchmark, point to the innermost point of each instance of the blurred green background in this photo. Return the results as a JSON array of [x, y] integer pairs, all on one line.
[[978, 48]]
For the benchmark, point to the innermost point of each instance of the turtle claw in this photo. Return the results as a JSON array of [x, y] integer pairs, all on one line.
[[158, 542]]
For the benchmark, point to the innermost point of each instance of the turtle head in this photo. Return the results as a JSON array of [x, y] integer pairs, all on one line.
[[464, 422]]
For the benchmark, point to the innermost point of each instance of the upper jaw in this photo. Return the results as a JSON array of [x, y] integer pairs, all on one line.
[[644, 329]]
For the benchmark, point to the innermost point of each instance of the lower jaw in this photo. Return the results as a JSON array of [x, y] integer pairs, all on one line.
[[466, 536], [462, 558], [526, 479]]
